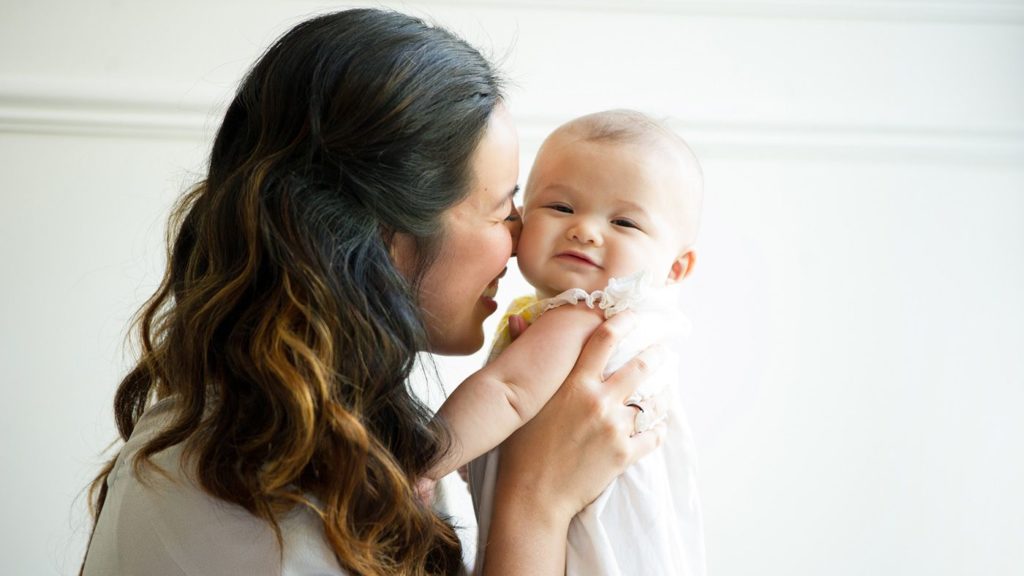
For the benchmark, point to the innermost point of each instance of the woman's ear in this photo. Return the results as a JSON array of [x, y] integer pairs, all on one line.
[[402, 249], [681, 267]]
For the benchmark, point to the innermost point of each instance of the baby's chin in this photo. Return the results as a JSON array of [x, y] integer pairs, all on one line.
[[590, 285], [554, 290]]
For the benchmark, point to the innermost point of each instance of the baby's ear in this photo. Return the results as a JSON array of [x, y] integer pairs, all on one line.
[[681, 267]]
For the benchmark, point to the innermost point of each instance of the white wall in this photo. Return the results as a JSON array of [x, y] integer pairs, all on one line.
[[856, 371]]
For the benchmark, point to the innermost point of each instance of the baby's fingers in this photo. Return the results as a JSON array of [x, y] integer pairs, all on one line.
[[516, 326]]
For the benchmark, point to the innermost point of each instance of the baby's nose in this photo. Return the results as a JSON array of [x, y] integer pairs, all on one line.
[[585, 232]]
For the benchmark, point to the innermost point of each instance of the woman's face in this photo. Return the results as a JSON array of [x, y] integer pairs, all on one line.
[[457, 292]]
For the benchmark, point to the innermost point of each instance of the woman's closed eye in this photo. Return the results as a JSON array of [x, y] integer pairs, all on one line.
[[513, 210]]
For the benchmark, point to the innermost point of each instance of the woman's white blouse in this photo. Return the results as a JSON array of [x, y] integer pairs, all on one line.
[[165, 525]]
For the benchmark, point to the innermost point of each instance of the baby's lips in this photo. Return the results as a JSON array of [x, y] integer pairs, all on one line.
[[580, 255]]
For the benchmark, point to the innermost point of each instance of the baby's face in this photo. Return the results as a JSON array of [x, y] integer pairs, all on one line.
[[599, 210]]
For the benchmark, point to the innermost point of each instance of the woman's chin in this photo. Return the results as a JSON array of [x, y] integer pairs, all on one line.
[[459, 345]]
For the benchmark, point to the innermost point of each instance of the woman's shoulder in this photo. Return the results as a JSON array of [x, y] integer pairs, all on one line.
[[158, 520]]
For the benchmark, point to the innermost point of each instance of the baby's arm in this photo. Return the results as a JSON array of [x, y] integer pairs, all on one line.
[[502, 396]]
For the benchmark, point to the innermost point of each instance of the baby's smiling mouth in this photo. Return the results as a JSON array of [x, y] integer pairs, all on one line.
[[577, 257]]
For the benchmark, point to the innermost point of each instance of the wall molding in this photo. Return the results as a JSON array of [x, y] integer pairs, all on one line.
[[82, 109], [824, 141], [65, 113], [998, 12]]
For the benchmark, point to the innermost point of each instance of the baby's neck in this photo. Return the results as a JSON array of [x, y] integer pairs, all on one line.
[[543, 294], [642, 280]]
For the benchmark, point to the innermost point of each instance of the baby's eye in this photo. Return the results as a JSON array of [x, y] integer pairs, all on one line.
[[566, 209], [625, 223]]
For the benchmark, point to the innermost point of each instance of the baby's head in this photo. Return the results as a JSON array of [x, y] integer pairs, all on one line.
[[610, 194]]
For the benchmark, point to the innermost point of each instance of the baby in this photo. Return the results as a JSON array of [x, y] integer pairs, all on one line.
[[611, 213]]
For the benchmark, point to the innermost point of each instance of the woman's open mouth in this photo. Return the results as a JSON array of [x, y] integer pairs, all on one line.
[[491, 292]]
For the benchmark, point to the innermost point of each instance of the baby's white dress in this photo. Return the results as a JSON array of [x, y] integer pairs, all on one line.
[[648, 521]]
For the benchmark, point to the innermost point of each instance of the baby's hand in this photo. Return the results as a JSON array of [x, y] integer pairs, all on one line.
[[516, 326], [425, 490]]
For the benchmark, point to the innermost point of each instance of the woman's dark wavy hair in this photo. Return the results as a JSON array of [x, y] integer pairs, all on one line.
[[282, 328]]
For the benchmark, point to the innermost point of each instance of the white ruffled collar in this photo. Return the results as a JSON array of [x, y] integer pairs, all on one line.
[[629, 292]]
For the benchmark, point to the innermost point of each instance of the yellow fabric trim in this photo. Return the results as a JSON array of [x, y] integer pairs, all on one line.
[[520, 306]]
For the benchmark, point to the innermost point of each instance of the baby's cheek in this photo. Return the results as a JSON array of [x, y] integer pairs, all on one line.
[[527, 263], [528, 251], [531, 263]]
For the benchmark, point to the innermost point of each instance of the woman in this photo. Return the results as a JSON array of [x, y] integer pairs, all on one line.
[[357, 210]]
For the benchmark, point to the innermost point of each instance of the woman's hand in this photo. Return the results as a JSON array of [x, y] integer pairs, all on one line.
[[561, 460]]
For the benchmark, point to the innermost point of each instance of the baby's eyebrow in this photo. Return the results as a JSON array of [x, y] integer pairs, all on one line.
[[633, 206], [634, 209], [559, 186]]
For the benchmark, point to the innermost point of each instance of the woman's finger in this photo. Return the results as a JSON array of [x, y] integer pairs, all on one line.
[[625, 380], [647, 442], [647, 413], [602, 342]]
